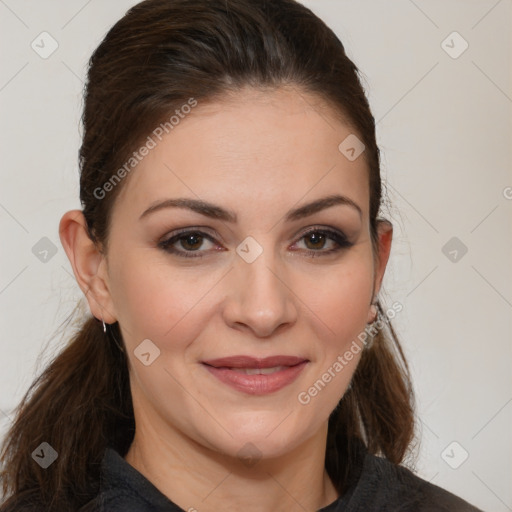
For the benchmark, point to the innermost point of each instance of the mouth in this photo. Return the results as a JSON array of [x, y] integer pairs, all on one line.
[[256, 376]]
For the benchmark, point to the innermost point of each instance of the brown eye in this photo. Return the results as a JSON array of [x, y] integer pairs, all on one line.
[[322, 242], [315, 240], [190, 244]]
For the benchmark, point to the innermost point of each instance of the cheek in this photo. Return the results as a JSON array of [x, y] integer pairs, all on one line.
[[340, 300], [340, 305], [153, 300], [158, 302]]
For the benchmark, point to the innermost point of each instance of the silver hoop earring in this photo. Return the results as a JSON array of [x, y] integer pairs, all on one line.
[[104, 326]]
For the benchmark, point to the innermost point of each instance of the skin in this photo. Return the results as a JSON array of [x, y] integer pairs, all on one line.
[[257, 154]]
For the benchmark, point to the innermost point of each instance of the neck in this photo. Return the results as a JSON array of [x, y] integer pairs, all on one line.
[[197, 478]]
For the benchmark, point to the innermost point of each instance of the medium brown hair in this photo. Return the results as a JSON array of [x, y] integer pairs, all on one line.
[[157, 57]]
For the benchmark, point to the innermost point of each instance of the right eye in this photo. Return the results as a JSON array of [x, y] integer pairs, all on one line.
[[186, 243]]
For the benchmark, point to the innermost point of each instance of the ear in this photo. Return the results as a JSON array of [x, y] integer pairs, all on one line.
[[385, 236], [89, 265]]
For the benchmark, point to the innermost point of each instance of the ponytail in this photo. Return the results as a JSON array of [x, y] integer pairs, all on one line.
[[80, 404]]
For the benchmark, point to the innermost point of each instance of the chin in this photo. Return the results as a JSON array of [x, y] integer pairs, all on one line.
[[259, 438]]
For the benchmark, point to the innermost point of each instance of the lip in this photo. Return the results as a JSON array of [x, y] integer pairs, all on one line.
[[225, 370]]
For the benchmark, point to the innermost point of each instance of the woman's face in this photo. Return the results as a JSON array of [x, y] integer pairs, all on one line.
[[234, 304]]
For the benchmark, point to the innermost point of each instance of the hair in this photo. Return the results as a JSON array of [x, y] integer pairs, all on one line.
[[156, 58]]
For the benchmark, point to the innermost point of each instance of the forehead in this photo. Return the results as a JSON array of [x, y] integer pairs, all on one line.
[[254, 150]]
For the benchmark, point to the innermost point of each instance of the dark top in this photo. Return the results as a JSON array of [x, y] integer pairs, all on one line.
[[378, 485]]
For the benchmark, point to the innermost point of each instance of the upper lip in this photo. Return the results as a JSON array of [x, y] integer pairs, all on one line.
[[254, 362]]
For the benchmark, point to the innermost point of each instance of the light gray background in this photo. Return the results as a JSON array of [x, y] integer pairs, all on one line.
[[444, 127]]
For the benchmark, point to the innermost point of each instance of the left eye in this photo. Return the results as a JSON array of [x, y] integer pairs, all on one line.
[[315, 242]]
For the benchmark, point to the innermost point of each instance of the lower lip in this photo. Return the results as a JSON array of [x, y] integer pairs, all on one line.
[[257, 384]]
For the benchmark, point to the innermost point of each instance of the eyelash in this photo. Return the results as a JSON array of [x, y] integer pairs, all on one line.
[[339, 238]]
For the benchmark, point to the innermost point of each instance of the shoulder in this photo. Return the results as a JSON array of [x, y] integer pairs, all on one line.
[[116, 501], [385, 486], [123, 489]]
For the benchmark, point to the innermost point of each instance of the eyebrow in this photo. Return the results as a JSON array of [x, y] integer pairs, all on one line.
[[216, 212]]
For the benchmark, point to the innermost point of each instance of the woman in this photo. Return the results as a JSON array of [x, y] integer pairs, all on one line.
[[231, 254]]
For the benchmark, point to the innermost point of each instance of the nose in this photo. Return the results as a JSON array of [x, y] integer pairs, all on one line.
[[259, 299]]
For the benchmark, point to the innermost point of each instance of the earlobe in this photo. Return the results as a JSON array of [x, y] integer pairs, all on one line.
[[88, 264], [372, 314]]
